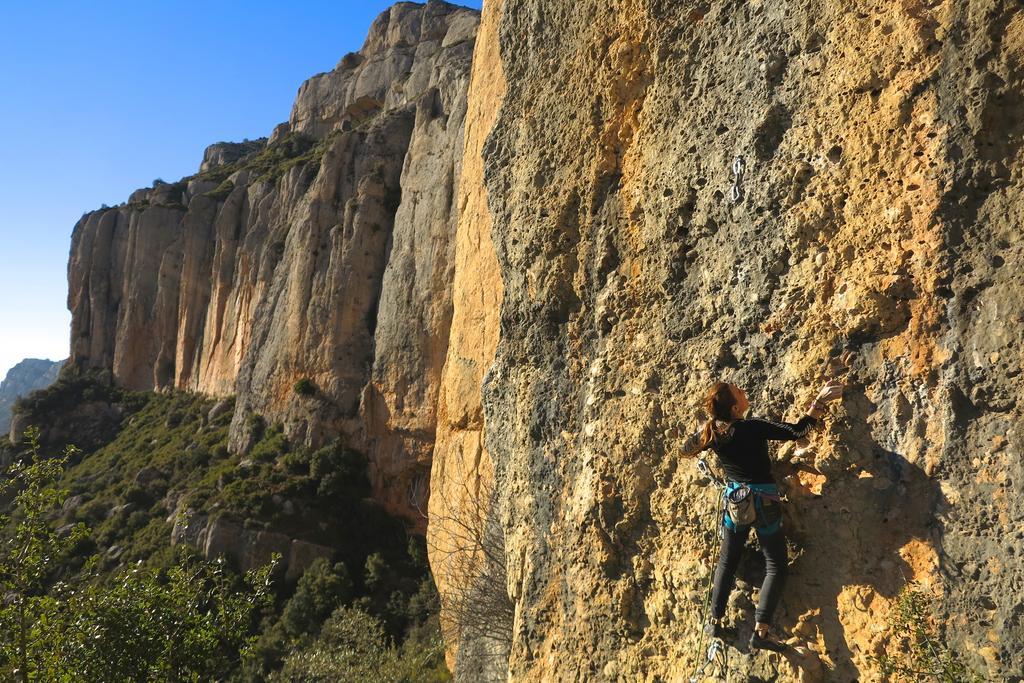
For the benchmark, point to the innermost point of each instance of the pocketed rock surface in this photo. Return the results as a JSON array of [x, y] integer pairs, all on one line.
[[879, 212]]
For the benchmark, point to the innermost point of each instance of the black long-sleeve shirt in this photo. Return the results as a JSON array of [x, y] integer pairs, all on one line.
[[743, 449]]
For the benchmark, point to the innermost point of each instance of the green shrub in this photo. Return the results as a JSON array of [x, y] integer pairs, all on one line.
[[340, 472], [137, 495], [304, 387], [221, 191], [376, 572], [353, 647], [92, 512], [247, 498], [297, 461], [921, 652], [319, 496], [273, 445], [321, 589], [70, 390], [192, 622]]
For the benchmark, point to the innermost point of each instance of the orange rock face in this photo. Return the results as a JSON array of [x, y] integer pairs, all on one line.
[[648, 197], [460, 482], [876, 212]]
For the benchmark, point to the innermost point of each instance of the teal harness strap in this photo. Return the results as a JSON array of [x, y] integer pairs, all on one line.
[[761, 491]]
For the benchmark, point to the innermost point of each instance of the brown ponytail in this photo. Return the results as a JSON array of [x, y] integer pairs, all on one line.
[[718, 405]]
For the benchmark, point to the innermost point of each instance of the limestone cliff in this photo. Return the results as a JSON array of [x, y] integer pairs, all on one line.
[[308, 274], [461, 483], [878, 211]]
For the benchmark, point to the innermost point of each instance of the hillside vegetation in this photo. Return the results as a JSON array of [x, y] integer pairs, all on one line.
[[122, 511]]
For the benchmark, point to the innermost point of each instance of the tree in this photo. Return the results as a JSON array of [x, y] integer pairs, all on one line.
[[31, 552], [467, 544], [190, 622], [354, 648], [321, 589]]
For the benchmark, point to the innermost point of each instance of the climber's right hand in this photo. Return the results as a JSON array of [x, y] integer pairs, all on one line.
[[830, 392]]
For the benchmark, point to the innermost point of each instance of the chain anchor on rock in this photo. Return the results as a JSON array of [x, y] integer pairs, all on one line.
[[738, 166]]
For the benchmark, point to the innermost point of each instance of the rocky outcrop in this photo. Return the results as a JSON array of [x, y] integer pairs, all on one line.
[[414, 314], [224, 153], [246, 549], [461, 483], [308, 274], [27, 376], [877, 212]]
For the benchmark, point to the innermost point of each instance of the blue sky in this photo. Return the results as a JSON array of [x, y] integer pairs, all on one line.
[[98, 99]]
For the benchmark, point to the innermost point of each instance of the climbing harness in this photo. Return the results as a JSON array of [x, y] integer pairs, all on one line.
[[744, 505], [738, 165]]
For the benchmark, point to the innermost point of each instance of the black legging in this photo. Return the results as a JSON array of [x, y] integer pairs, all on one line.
[[776, 563]]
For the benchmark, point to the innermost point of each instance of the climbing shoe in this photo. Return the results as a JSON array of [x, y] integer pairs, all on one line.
[[713, 628], [766, 642]]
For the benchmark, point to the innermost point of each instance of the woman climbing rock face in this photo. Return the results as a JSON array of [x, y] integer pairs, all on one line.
[[751, 496]]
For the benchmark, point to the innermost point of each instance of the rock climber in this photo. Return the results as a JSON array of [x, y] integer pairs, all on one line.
[[751, 496]]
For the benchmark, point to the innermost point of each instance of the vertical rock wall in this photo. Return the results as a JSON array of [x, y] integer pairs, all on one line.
[[879, 213], [415, 308], [310, 274], [461, 476]]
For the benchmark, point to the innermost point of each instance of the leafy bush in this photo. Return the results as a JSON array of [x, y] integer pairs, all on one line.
[[321, 589], [137, 495], [71, 389], [304, 387], [248, 498], [339, 471], [353, 647], [273, 445], [321, 496], [297, 461], [922, 654], [92, 512], [189, 623], [223, 190]]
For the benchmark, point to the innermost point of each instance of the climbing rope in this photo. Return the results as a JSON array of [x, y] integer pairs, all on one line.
[[705, 470], [717, 653], [738, 166]]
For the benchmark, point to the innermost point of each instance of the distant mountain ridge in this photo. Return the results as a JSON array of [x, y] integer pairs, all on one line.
[[27, 376]]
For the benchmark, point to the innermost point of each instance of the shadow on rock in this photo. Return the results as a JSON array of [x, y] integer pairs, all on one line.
[[849, 545]]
